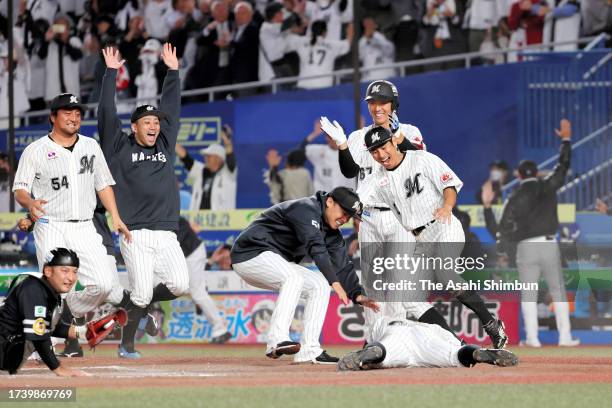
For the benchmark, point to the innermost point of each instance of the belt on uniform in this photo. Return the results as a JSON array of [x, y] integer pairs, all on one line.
[[382, 208], [79, 220], [420, 229]]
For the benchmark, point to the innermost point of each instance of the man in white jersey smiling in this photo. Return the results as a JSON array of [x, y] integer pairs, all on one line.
[[57, 181], [421, 191], [379, 225]]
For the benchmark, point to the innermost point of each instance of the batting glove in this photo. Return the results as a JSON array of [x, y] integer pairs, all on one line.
[[334, 130], [394, 123]]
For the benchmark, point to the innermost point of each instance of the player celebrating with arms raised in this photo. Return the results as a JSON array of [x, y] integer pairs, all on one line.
[[143, 165]]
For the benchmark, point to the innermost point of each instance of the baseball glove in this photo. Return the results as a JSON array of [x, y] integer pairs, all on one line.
[[350, 362], [97, 330]]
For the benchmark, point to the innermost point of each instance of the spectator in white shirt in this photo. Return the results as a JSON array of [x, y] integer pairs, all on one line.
[[375, 50], [155, 13], [318, 54]]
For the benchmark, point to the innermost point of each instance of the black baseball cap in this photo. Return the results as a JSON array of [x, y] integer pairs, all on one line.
[[146, 110], [527, 169], [376, 137], [66, 101], [348, 200]]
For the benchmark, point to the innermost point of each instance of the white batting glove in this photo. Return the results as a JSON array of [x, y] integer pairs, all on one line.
[[334, 131]]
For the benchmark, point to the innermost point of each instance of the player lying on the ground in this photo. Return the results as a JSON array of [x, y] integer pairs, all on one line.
[[31, 313], [421, 191], [267, 255], [405, 343]]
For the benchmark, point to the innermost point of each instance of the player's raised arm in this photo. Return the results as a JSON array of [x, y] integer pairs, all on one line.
[[170, 102], [109, 125], [348, 166]]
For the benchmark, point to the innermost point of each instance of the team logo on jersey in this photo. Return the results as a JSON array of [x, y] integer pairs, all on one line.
[[51, 155], [39, 326], [40, 311], [446, 177], [87, 164], [384, 181], [316, 224], [412, 186]]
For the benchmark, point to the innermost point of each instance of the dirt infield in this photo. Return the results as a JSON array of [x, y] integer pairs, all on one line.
[[111, 372]]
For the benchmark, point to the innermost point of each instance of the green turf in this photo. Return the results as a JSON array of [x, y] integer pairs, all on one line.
[[422, 396]]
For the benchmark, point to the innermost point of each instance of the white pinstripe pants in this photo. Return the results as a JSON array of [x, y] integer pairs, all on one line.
[[100, 281], [269, 270], [414, 344], [196, 263], [380, 227], [444, 241], [151, 255]]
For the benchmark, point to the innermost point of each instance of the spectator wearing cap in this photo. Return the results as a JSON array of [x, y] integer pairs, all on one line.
[[214, 182], [62, 52], [292, 182], [147, 82]]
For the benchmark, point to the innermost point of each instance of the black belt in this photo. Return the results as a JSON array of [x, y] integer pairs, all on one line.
[[382, 208], [420, 229], [79, 220]]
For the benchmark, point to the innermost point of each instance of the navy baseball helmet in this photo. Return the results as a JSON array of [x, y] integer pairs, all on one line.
[[348, 200], [382, 90], [376, 137], [62, 257]]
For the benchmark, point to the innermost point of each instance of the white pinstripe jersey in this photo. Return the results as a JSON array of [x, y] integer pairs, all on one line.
[[414, 189], [367, 164], [67, 180]]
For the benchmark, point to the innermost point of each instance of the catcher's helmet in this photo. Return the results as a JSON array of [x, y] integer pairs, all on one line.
[[62, 257], [381, 90]]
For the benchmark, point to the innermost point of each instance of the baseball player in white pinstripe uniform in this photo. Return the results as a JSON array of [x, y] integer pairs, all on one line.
[[421, 191], [379, 225], [143, 165], [56, 181], [405, 343]]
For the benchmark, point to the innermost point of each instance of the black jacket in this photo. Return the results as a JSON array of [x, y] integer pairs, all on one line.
[[294, 229], [146, 191], [28, 312], [244, 55], [531, 210]]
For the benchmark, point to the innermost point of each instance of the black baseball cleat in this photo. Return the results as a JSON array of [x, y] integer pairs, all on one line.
[[224, 338], [501, 358], [72, 349], [361, 359], [497, 332], [151, 327], [325, 358], [284, 347]]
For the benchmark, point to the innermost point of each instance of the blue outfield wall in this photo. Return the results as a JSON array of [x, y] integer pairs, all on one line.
[[467, 117]]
